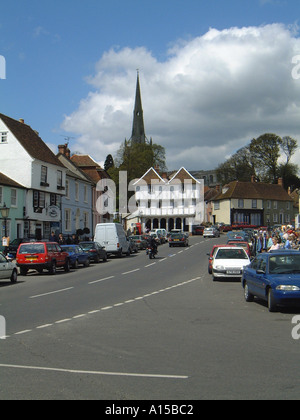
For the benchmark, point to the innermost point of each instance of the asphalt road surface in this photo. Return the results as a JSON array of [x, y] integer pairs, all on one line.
[[135, 329]]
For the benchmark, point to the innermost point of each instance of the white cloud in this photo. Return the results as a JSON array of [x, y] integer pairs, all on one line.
[[210, 97]]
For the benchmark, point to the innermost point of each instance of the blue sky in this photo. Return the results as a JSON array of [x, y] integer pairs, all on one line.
[[71, 71]]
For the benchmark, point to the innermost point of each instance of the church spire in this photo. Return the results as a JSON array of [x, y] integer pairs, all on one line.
[[138, 130]]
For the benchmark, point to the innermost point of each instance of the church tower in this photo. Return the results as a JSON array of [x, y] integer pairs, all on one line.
[[138, 135]]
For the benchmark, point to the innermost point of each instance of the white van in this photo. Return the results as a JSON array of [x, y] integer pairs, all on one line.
[[113, 237]]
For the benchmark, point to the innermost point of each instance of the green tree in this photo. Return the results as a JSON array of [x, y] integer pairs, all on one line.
[[265, 152], [136, 159], [261, 158], [237, 167]]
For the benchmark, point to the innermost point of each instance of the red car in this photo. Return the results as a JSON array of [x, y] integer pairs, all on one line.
[[42, 255], [244, 245], [211, 255]]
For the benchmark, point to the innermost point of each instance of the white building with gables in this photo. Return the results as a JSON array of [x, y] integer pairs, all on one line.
[[175, 203], [26, 159]]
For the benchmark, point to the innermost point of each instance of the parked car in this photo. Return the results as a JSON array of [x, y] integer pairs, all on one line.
[[229, 262], [133, 246], [274, 277], [14, 245], [95, 251], [242, 244], [212, 254], [139, 240], [162, 232], [197, 230], [8, 269], [226, 228], [211, 232], [77, 255], [178, 239], [42, 255]]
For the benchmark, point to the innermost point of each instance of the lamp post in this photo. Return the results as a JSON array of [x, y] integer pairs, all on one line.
[[5, 213]]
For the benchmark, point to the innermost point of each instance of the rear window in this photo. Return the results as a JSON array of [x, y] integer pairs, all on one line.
[[176, 236], [32, 249], [231, 254]]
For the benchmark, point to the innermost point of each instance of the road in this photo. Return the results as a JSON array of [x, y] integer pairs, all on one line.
[[135, 329]]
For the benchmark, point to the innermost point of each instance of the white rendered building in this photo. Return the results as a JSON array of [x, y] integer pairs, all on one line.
[[176, 203]]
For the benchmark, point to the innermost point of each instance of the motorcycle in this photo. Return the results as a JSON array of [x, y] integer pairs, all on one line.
[[151, 252]]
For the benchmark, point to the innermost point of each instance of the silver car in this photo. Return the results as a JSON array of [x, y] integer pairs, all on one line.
[[211, 232], [8, 270]]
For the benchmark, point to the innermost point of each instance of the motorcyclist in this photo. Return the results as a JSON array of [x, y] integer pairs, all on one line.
[[153, 245]]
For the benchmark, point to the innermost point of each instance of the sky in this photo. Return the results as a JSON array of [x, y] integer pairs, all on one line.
[[213, 74]]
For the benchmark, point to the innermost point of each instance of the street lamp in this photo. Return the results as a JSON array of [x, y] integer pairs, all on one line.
[[5, 213]]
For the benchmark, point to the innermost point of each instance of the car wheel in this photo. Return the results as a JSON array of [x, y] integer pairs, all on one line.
[[248, 296], [52, 269], [271, 301], [87, 263], [14, 276], [75, 265], [23, 271], [67, 266], [104, 258]]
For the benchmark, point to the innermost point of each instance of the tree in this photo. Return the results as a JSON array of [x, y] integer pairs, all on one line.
[[289, 147], [265, 152], [137, 158], [261, 159], [238, 167]]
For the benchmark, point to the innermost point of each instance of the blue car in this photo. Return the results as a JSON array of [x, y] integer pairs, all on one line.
[[275, 278], [77, 255]]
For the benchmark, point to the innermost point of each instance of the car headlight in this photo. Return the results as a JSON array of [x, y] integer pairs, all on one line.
[[288, 288], [219, 267]]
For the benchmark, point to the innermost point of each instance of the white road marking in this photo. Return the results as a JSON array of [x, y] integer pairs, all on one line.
[[98, 281], [44, 326], [107, 307], [149, 265], [63, 320], [23, 332], [93, 372], [132, 271], [51, 293]]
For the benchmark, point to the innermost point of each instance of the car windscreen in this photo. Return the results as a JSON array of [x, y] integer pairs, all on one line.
[[87, 246], [284, 264], [32, 249], [231, 254], [69, 249]]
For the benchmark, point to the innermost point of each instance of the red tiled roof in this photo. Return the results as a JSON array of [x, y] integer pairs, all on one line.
[[31, 141], [253, 190]]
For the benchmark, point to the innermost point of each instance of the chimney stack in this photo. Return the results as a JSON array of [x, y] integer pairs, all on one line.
[[64, 150], [280, 182]]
